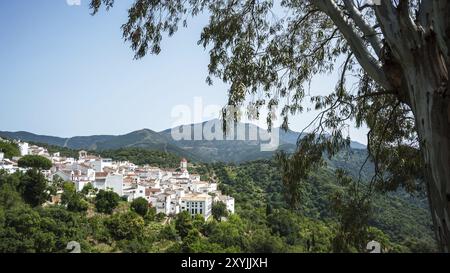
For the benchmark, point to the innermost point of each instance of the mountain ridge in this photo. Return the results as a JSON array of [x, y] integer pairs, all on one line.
[[246, 149]]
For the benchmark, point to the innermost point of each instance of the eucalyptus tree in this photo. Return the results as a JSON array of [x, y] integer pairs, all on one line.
[[396, 51]]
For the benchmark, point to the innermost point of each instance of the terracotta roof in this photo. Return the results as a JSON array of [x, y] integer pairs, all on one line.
[[101, 174], [149, 191]]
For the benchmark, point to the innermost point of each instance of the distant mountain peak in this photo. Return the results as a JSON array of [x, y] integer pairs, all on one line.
[[201, 150]]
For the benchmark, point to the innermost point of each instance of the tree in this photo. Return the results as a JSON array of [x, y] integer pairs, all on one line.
[[160, 216], [34, 188], [219, 210], [140, 206], [106, 201], [396, 54], [283, 223], [9, 149], [72, 199], [35, 161], [183, 223], [128, 225]]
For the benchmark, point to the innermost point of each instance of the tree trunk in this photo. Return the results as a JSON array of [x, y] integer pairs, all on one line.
[[427, 79], [433, 129]]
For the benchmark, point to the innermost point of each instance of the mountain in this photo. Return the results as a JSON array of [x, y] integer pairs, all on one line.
[[291, 137], [145, 138], [84, 142], [244, 143]]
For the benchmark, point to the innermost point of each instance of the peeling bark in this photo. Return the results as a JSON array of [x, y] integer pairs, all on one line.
[[427, 84]]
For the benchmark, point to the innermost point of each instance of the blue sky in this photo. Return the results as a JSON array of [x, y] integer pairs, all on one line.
[[66, 73]]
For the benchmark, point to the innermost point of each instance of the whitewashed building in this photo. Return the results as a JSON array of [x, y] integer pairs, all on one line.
[[23, 147], [197, 203]]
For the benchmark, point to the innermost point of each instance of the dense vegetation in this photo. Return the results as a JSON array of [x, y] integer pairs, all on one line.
[[403, 218], [9, 149], [263, 221], [35, 161]]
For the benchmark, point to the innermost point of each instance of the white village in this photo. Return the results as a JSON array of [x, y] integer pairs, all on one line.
[[169, 191]]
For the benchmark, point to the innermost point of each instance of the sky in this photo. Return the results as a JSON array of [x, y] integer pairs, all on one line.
[[66, 73]]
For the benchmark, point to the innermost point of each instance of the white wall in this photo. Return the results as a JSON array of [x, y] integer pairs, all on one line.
[[115, 181], [99, 164], [23, 146], [79, 185], [230, 205]]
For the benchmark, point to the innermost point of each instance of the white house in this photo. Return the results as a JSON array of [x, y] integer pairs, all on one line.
[[197, 204], [24, 148], [162, 203], [100, 180], [100, 164], [115, 182], [227, 200], [134, 192]]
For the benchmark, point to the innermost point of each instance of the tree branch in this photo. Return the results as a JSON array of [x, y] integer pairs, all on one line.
[[368, 31], [362, 54]]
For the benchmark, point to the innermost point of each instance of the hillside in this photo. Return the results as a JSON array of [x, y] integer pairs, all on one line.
[[402, 222], [145, 139], [404, 218]]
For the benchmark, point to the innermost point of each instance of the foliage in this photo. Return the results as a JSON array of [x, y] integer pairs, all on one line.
[[183, 223], [34, 188], [253, 229], [328, 200], [219, 210], [106, 201], [9, 149], [268, 52], [35, 161], [128, 225], [352, 208], [140, 206], [72, 199]]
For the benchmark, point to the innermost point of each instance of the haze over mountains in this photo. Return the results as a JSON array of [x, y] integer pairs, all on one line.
[[248, 148]]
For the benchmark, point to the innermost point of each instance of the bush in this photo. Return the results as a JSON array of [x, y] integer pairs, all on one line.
[[140, 206], [9, 149], [106, 201], [35, 161], [125, 226]]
